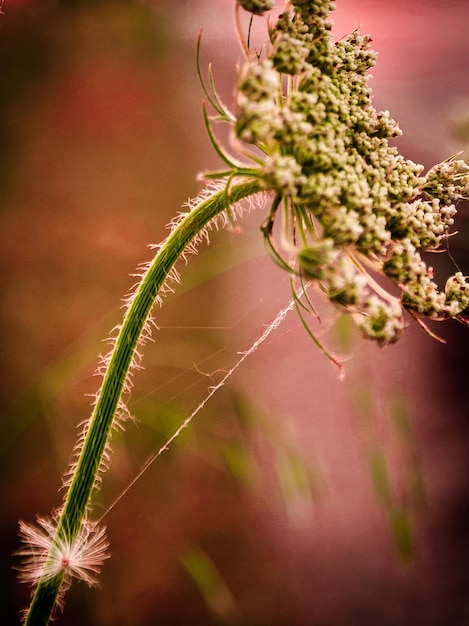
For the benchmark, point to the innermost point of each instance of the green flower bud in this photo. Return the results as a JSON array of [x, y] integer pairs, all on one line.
[[314, 259], [258, 7], [457, 294]]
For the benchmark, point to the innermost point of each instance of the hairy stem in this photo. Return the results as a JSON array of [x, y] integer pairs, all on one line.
[[81, 486]]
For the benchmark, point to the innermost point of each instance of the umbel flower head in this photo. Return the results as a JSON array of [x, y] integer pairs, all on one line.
[[347, 208]]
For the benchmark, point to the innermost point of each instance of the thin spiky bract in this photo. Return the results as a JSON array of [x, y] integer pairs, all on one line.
[[185, 232]]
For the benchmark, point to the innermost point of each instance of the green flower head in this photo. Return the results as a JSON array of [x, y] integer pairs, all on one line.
[[346, 206]]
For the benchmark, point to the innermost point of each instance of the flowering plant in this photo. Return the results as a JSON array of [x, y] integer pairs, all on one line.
[[347, 211], [350, 207]]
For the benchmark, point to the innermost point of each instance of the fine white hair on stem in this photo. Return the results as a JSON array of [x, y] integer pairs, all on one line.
[[280, 317], [122, 413]]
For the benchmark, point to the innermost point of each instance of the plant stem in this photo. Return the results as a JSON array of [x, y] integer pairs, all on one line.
[[94, 445]]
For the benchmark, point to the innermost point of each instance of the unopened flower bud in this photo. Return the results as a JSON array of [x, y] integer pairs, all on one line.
[[313, 259], [258, 7], [457, 294]]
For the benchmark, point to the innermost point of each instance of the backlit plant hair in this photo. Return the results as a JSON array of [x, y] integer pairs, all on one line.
[[346, 211]]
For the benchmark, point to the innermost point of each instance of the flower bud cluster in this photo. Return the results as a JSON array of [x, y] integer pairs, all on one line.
[[258, 7], [353, 203]]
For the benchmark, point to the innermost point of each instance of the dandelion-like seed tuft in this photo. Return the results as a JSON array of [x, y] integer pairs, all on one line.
[[47, 554]]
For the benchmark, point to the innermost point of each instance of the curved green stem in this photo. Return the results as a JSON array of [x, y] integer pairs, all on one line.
[[100, 425]]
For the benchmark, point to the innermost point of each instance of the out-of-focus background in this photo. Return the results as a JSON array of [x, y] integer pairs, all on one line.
[[293, 499]]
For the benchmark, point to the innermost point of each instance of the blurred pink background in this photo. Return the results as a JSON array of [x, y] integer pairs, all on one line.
[[294, 499]]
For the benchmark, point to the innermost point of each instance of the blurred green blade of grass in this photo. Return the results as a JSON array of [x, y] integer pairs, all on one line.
[[344, 334], [236, 458], [293, 475], [362, 403], [209, 582], [380, 476], [401, 533], [400, 419]]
